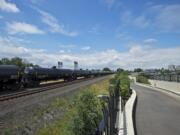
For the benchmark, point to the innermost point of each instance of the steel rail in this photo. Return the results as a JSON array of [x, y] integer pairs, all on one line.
[[27, 92]]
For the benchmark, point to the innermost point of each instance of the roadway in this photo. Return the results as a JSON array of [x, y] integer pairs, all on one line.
[[156, 113]]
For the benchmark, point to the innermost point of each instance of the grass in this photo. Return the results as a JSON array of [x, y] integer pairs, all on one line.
[[101, 88], [8, 132], [62, 125]]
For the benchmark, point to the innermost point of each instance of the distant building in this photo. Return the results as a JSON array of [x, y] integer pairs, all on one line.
[[150, 71], [172, 67]]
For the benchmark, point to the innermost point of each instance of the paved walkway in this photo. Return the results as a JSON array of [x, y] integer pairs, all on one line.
[[156, 112]]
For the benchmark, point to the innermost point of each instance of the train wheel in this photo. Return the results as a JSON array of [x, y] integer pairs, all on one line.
[[15, 86], [31, 84], [68, 79], [1, 87]]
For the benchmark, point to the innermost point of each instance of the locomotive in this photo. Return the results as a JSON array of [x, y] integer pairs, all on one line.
[[12, 77]]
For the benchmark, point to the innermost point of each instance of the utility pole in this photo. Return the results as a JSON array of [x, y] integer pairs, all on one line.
[[75, 65], [60, 65]]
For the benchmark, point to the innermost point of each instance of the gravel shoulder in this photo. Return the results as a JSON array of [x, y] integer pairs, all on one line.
[[23, 116]]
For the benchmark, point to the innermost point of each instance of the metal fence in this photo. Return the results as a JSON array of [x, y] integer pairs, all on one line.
[[107, 125], [166, 77]]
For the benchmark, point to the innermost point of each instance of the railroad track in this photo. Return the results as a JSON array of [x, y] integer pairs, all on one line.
[[1, 124], [27, 92]]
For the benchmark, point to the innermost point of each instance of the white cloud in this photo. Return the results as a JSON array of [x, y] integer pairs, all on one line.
[[141, 22], [50, 20], [136, 56], [129, 19], [85, 48], [37, 1], [136, 51], [168, 18], [163, 18], [62, 51], [54, 25], [10, 48], [120, 35], [67, 46], [123, 35], [126, 17], [8, 7], [95, 29], [150, 41], [109, 3], [22, 28], [15, 39]]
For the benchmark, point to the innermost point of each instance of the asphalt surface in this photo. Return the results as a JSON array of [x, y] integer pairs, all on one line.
[[156, 112]]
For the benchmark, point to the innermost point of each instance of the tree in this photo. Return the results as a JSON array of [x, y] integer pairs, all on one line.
[[106, 69], [120, 70], [17, 61], [54, 67], [22, 63], [138, 70], [5, 61]]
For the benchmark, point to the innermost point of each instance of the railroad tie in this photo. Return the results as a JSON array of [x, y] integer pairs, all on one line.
[[1, 123]]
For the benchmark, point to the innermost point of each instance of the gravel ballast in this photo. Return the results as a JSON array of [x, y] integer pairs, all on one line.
[[25, 115]]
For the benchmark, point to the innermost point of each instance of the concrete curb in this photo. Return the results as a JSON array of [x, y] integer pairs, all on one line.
[[129, 109]]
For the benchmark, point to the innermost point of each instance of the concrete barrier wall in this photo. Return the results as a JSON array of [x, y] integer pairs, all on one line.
[[171, 86], [126, 124]]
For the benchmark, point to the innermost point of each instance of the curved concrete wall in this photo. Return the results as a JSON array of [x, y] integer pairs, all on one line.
[[171, 86]]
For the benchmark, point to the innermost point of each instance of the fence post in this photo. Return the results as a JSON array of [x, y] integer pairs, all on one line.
[[110, 111], [111, 105]]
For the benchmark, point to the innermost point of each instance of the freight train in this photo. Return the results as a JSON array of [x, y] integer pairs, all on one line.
[[13, 78]]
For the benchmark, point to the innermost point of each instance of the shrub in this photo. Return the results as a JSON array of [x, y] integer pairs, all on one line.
[[122, 79], [124, 84], [87, 114], [142, 79]]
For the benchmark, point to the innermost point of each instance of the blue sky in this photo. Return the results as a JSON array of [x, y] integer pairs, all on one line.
[[97, 33]]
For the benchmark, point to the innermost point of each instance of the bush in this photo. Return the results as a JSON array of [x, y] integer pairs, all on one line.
[[122, 79], [142, 79], [124, 84], [87, 114]]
